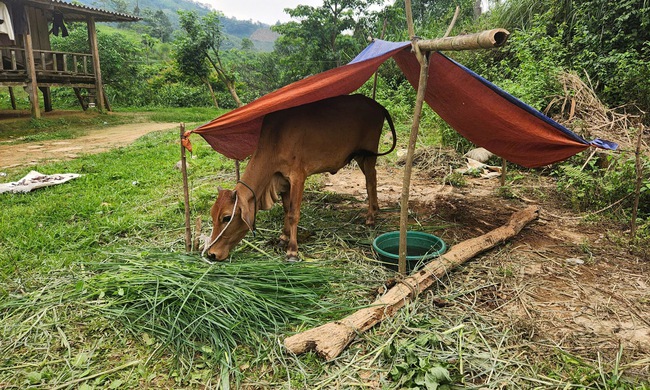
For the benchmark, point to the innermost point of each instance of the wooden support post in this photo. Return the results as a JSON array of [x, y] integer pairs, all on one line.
[[417, 114], [32, 84], [639, 181], [329, 340], [12, 97], [77, 93], [94, 50], [504, 168], [107, 104], [47, 98], [186, 194]]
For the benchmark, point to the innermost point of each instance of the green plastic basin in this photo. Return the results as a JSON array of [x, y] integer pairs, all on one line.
[[420, 248]]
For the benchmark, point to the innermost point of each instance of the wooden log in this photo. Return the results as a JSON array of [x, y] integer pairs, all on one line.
[[483, 40], [329, 340]]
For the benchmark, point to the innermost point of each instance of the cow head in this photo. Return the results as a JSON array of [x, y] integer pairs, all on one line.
[[233, 215]]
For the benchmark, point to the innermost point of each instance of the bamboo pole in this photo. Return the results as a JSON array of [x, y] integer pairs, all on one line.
[[487, 39], [186, 194], [374, 81], [417, 114], [453, 22]]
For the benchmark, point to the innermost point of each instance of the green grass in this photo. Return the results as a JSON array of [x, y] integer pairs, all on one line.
[[95, 292]]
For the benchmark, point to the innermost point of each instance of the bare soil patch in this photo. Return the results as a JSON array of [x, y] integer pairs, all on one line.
[[563, 282], [96, 141]]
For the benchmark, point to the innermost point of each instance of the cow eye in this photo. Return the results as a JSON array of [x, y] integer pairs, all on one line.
[[226, 219]]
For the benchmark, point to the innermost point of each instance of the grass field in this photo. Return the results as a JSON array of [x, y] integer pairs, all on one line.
[[96, 292]]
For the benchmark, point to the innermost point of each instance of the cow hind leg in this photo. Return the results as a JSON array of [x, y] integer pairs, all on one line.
[[367, 165]]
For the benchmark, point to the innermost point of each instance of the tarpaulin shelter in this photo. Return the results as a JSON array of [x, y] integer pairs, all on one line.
[[476, 108]]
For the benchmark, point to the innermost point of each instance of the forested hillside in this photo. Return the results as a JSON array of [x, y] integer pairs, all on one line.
[[161, 20]]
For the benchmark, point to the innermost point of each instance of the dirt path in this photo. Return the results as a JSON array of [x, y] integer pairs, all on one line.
[[95, 141]]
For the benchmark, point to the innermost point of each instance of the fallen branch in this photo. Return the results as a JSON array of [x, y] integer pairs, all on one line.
[[331, 339]]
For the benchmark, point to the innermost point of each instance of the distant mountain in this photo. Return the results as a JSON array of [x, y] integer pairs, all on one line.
[[259, 33]]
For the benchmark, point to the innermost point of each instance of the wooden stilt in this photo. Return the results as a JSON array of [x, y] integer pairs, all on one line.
[[12, 97], [186, 195], [32, 84], [47, 98], [94, 49], [77, 93]]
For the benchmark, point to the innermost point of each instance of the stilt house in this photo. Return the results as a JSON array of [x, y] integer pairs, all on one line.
[[28, 60]]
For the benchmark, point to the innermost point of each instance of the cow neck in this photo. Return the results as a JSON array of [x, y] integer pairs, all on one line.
[[259, 179], [253, 229]]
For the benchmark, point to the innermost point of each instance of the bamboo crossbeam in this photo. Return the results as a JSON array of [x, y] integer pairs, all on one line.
[[483, 40]]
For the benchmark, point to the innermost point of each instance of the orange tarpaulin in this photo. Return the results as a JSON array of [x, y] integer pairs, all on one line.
[[477, 109]]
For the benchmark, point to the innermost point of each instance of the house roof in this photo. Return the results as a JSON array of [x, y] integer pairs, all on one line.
[[78, 12]]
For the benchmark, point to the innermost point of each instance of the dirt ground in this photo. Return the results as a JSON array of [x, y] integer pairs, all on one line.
[[562, 281], [96, 141]]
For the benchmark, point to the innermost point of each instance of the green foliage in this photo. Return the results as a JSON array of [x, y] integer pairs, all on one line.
[[615, 57], [570, 35], [413, 368], [316, 42], [594, 187]]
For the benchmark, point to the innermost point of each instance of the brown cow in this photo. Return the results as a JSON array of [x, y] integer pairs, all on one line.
[[294, 143]]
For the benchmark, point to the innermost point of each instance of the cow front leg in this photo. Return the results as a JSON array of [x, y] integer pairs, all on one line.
[[292, 216], [367, 165], [286, 231]]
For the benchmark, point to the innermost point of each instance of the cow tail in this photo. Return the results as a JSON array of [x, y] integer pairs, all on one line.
[[389, 119]]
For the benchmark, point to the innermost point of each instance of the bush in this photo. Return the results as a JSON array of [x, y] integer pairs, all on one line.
[[594, 188]]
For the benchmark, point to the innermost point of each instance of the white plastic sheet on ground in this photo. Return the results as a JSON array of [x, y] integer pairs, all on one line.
[[34, 180]]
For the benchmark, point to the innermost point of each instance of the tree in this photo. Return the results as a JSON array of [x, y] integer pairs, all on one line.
[[203, 41], [159, 23], [191, 66], [148, 42], [322, 37]]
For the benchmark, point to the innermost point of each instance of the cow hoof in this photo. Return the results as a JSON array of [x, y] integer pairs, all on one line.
[[292, 259]]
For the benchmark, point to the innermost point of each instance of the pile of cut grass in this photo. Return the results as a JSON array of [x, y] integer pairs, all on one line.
[[180, 305]]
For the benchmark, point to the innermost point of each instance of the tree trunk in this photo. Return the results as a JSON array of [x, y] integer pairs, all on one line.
[[214, 97], [331, 339], [231, 88]]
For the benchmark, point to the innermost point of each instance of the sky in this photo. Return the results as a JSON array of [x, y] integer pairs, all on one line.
[[265, 11]]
